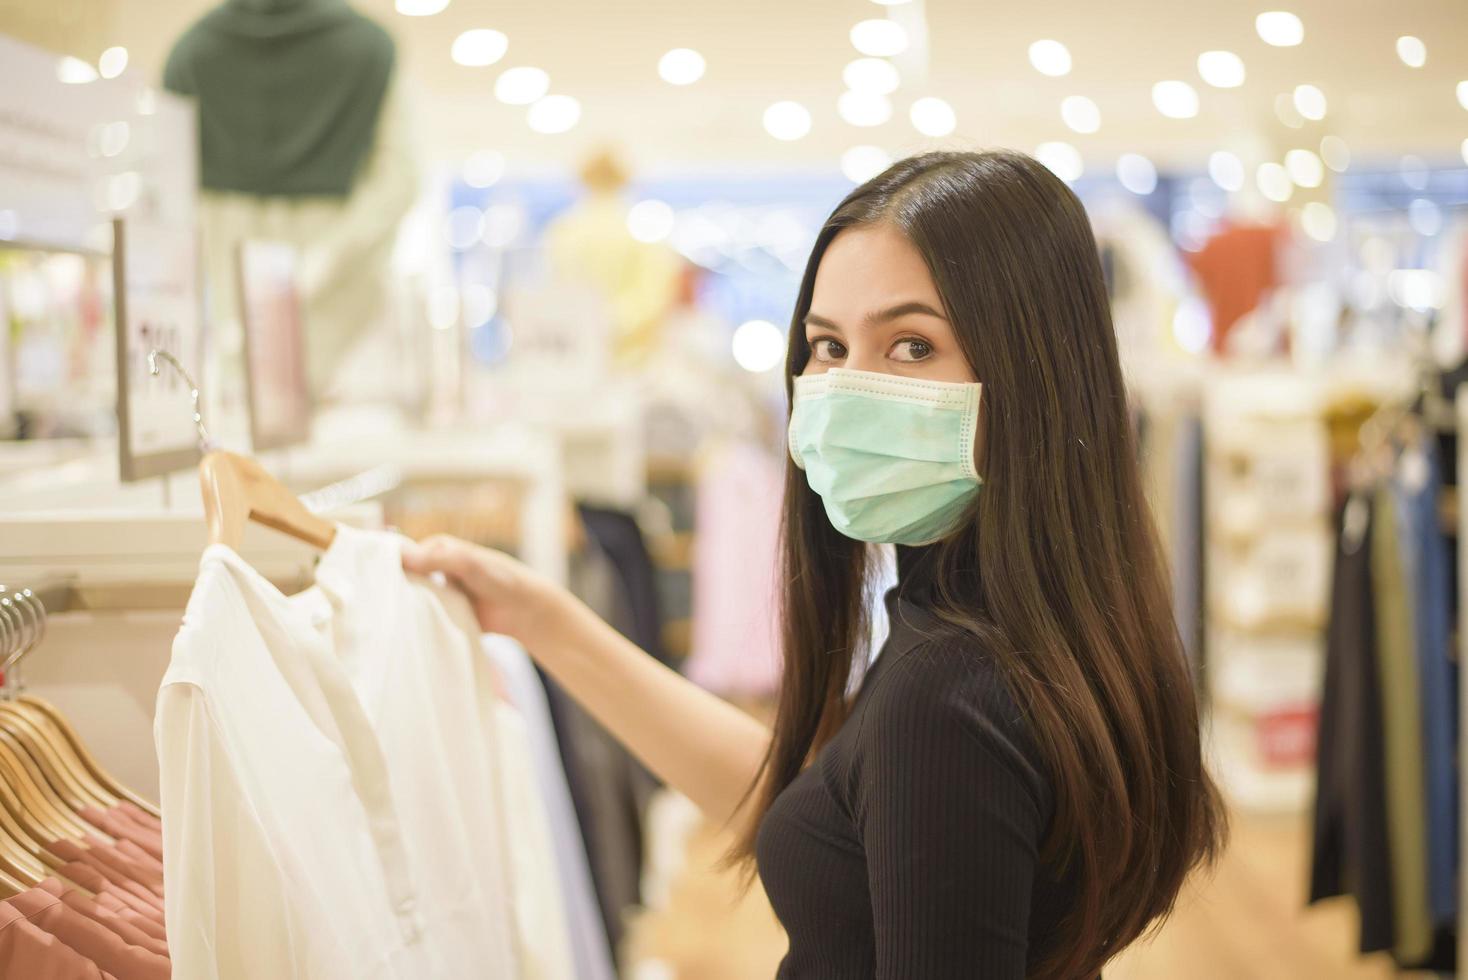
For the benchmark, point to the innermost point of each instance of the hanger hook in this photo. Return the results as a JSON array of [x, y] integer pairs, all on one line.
[[154, 369], [35, 611], [9, 632], [18, 647]]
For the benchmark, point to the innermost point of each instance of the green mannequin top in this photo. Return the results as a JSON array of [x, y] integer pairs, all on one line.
[[289, 94]]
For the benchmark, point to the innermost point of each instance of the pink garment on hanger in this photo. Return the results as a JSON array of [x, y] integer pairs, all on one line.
[[27, 950], [736, 644]]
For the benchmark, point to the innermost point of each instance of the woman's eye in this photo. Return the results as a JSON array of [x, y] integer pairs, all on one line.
[[911, 350], [826, 349]]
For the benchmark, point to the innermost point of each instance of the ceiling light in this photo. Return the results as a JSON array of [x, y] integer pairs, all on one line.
[[650, 221], [1412, 51], [1221, 69], [420, 8], [1318, 220], [1425, 217], [1062, 159], [113, 62], [75, 71], [1176, 100], [1050, 58], [890, 3], [1310, 102], [758, 346], [479, 304], [484, 169], [1335, 153], [123, 190], [1192, 325], [1274, 182], [871, 76], [1227, 170], [681, 66], [464, 226], [1280, 28], [1080, 114], [787, 120], [1305, 168], [879, 38], [861, 109], [554, 114], [1136, 173], [1464, 148], [861, 163], [932, 116], [1284, 108], [1463, 94], [503, 224], [480, 47], [113, 138], [1421, 289], [521, 86]]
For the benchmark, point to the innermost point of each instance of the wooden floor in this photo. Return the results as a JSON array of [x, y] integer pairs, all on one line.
[[1246, 922]]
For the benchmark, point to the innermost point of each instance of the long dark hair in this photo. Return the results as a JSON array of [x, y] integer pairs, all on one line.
[[1071, 592]]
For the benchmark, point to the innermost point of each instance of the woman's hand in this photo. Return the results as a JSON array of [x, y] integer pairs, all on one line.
[[507, 596], [704, 747]]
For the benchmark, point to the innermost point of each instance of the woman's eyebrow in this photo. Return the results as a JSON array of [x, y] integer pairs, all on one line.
[[900, 310], [878, 317]]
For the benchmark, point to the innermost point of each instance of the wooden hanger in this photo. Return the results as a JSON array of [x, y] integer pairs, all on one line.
[[25, 802], [37, 796], [69, 784], [19, 849], [237, 490], [26, 838], [61, 751], [56, 780], [55, 718]]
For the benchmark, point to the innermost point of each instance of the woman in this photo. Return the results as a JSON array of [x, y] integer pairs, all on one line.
[[1016, 789]]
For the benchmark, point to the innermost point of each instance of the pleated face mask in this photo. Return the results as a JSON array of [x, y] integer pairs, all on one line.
[[892, 458]]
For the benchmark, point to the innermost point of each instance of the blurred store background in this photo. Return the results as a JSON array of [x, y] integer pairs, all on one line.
[[523, 273]]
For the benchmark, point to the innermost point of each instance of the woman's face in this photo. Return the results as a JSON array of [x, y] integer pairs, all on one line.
[[874, 307]]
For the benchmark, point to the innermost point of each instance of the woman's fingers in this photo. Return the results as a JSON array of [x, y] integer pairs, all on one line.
[[453, 557]]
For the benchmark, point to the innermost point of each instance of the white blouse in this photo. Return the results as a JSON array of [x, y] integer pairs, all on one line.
[[335, 801]]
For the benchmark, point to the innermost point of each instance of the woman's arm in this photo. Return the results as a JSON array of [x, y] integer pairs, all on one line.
[[700, 745]]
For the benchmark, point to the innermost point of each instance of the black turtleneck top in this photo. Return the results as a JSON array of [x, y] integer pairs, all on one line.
[[909, 849]]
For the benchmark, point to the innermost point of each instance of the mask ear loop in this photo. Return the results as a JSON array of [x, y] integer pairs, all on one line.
[[971, 431]]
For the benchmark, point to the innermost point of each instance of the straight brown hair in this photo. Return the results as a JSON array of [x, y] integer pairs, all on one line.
[[1057, 574]]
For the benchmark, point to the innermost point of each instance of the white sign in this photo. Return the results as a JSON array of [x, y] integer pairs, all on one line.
[[74, 156], [157, 301]]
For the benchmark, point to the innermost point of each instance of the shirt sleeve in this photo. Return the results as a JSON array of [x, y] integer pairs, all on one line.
[[951, 818], [225, 900]]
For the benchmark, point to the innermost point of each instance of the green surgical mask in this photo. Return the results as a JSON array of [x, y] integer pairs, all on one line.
[[892, 458]]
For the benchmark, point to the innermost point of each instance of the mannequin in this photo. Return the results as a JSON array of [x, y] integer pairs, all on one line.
[[590, 244], [303, 139]]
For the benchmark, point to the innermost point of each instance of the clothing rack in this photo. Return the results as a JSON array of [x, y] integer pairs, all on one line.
[[1388, 698], [1462, 426]]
